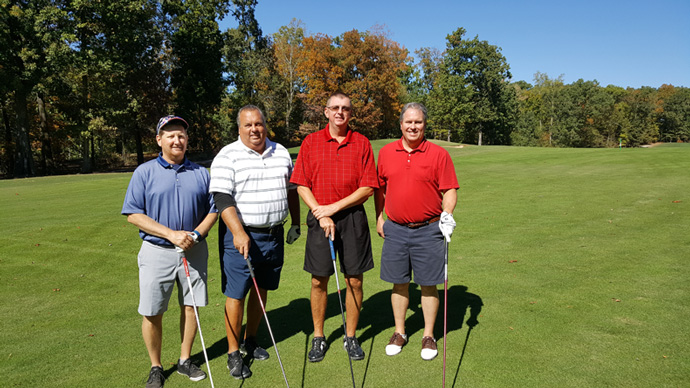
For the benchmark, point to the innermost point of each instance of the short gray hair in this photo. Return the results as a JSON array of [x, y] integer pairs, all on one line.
[[251, 107], [414, 105]]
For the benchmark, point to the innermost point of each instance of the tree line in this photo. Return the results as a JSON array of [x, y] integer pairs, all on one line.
[[84, 82]]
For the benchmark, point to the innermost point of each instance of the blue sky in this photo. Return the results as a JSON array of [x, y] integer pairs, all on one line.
[[625, 43]]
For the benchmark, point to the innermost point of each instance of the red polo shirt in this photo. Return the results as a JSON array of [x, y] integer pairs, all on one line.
[[334, 170], [414, 181]]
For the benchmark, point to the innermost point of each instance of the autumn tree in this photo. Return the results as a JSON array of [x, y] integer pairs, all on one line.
[[367, 66]]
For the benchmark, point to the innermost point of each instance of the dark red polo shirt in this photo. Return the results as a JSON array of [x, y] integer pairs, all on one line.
[[414, 181], [331, 170]]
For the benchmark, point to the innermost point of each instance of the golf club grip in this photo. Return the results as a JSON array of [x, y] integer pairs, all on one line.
[[330, 243], [186, 267]]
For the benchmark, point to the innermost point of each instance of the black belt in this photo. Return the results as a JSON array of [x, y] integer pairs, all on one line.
[[415, 225], [269, 230], [167, 246]]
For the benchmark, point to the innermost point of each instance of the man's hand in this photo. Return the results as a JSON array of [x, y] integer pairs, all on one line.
[[242, 243], [447, 225], [320, 212], [293, 234], [328, 227], [379, 226], [181, 239]]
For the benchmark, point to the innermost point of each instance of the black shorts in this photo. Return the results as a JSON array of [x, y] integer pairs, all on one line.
[[352, 244]]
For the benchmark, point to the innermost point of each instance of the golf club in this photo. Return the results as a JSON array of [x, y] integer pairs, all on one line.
[[342, 313], [445, 311], [196, 312], [268, 324]]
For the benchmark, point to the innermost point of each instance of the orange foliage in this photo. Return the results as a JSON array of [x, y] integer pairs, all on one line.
[[366, 66]]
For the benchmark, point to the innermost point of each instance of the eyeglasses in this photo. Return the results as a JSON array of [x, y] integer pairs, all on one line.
[[337, 108]]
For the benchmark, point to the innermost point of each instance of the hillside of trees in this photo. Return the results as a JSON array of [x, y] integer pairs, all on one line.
[[84, 83]]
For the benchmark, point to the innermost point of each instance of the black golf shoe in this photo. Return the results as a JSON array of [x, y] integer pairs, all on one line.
[[351, 346], [156, 378], [236, 366], [318, 349], [251, 348], [190, 370]]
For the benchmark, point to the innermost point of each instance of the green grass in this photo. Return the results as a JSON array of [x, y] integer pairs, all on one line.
[[578, 255]]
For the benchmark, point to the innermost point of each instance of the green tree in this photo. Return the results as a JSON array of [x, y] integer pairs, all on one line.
[[640, 111], [288, 56], [674, 114], [594, 109], [424, 75], [450, 107], [197, 80], [22, 43], [485, 71]]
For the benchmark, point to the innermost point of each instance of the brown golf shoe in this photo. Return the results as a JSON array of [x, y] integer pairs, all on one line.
[[429, 351], [396, 344]]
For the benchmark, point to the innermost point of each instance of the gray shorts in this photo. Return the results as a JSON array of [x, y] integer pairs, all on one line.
[[160, 268], [405, 251]]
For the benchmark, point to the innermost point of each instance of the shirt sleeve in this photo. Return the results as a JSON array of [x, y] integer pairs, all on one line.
[[211, 201], [448, 180], [380, 169], [369, 177], [135, 198], [222, 174], [301, 172]]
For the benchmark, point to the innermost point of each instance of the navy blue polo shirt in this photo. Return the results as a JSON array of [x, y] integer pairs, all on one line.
[[173, 195]]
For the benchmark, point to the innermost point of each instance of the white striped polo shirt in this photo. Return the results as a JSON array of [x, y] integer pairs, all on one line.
[[258, 182]]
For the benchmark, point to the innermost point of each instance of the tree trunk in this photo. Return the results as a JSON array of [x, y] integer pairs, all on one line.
[[47, 162], [9, 145], [140, 147], [24, 163], [86, 166]]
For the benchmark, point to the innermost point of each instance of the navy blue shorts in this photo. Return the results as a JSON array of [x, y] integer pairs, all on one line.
[[265, 254], [406, 250], [352, 244]]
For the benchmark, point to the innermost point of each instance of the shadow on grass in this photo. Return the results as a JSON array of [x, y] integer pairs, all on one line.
[[459, 302], [285, 322], [377, 315], [375, 318]]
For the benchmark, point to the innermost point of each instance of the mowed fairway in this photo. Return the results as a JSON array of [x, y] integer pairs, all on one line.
[[573, 261]]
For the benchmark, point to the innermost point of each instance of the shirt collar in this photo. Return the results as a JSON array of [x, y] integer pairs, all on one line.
[[186, 163], [423, 146], [269, 148], [327, 134]]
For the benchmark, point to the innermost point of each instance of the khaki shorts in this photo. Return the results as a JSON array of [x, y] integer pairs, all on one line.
[[161, 267]]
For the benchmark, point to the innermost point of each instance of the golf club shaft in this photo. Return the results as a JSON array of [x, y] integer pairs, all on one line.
[[268, 324], [196, 315], [342, 312], [445, 311]]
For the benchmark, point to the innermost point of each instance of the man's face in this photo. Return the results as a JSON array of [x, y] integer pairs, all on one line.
[[252, 130], [413, 126], [173, 142], [339, 111]]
